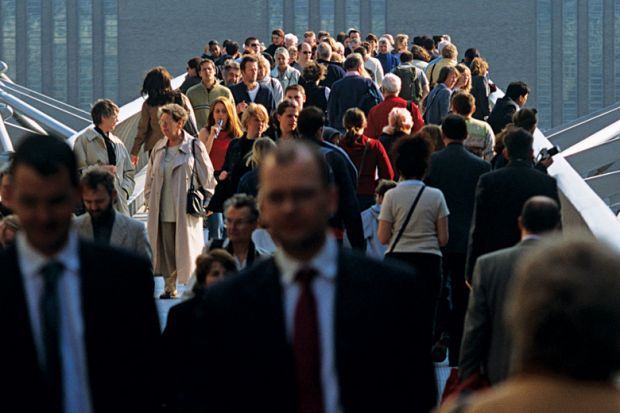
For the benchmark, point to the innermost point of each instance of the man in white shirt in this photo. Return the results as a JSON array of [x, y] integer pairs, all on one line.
[[313, 329], [77, 342]]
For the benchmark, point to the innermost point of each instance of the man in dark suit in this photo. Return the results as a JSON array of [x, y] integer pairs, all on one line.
[[250, 90], [500, 195], [76, 342], [486, 342], [312, 329], [506, 106], [455, 171]]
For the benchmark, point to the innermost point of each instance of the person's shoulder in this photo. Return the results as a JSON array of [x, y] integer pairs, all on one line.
[[362, 267], [115, 257], [129, 222], [194, 90]]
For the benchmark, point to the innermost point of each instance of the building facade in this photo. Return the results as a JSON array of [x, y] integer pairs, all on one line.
[[81, 50]]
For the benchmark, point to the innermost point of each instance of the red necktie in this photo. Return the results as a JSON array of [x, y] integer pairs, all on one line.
[[306, 346]]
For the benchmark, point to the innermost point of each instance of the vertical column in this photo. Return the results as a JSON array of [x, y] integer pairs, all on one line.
[[583, 59], [72, 52], [609, 37], [289, 16], [314, 19], [365, 18], [98, 48], [557, 66], [21, 42], [339, 17], [47, 46]]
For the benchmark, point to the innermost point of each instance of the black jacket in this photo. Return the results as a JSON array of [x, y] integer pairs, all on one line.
[[264, 96], [502, 112]]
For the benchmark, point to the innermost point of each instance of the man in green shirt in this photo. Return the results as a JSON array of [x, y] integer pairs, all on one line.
[[203, 94]]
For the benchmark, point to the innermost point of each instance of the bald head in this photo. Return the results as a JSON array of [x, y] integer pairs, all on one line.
[[540, 214]]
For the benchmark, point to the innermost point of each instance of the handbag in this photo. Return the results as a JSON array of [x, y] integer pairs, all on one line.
[[402, 228], [195, 195]]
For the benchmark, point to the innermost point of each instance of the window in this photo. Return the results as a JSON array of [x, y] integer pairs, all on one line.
[[569, 60], [33, 42], [8, 35], [352, 14], [543, 63], [59, 49], [302, 9], [110, 49], [377, 16], [85, 54], [595, 49], [328, 10]]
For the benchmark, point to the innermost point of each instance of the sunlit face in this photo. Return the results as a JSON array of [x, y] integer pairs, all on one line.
[[220, 113], [250, 72], [277, 39], [233, 76], [207, 72], [256, 127], [297, 96], [288, 120], [44, 205], [97, 202], [254, 46], [263, 71], [451, 79], [169, 127], [282, 61], [215, 50], [292, 56], [108, 123], [463, 79], [372, 46], [383, 46], [306, 53]]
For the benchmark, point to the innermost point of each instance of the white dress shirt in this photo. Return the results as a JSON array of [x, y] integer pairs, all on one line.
[[72, 347], [325, 262]]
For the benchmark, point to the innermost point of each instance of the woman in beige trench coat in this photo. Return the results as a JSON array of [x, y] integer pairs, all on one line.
[[176, 237]]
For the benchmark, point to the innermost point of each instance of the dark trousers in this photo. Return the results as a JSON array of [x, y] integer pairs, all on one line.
[[428, 270], [452, 303]]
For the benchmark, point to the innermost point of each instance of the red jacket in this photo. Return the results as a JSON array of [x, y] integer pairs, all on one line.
[[376, 159], [378, 116]]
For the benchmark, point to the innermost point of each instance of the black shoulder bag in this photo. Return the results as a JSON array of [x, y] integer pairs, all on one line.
[[402, 229], [195, 196]]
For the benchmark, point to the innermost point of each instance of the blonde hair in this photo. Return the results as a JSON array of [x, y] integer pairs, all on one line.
[[479, 66], [255, 110], [260, 149], [462, 69], [399, 120], [233, 124]]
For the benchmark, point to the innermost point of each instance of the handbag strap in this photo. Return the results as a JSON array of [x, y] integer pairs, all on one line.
[[409, 214], [191, 181]]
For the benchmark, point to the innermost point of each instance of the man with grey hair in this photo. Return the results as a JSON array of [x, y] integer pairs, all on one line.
[[334, 70], [353, 90], [378, 116]]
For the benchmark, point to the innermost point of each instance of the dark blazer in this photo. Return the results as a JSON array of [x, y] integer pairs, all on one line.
[[500, 196], [121, 332], [263, 97], [334, 72], [502, 112], [455, 171], [347, 93], [381, 352], [486, 342]]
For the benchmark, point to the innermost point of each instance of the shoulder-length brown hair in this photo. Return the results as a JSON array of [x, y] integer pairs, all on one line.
[[233, 125]]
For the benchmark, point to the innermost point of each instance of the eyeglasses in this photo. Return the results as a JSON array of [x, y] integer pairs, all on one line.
[[307, 52], [254, 45]]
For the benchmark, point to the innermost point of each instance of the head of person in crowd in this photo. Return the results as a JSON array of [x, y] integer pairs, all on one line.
[[479, 67], [419, 53], [264, 69], [389, 38], [518, 92], [526, 118], [212, 267], [354, 123], [9, 226], [105, 115], [519, 144], [231, 73], [563, 312], [355, 44], [310, 38], [249, 70], [314, 72], [44, 191], [454, 128], [292, 54], [400, 121], [449, 51], [157, 85], [383, 186], [214, 49], [385, 46], [304, 53], [290, 40], [406, 57], [433, 135], [207, 72], [98, 194], [462, 103], [270, 59], [241, 218], [539, 215], [340, 36], [277, 37], [287, 114], [470, 54], [5, 183], [354, 63], [232, 49], [296, 93], [255, 120], [282, 58], [401, 42], [260, 149], [297, 197], [373, 43], [324, 51], [172, 118], [354, 34], [338, 53], [428, 43], [310, 123], [412, 157], [463, 82], [193, 67], [222, 109], [448, 75], [390, 85], [251, 46], [322, 35]]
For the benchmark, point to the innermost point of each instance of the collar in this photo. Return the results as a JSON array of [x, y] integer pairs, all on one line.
[[519, 162], [102, 133], [531, 237], [325, 262], [411, 182], [184, 146], [216, 83], [351, 74], [32, 261]]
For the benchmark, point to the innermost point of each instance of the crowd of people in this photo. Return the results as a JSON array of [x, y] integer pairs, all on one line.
[[342, 212]]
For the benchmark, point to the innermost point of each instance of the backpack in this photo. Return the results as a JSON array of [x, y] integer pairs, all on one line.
[[411, 88], [369, 99]]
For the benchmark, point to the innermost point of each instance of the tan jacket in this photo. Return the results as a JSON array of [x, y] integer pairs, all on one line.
[[149, 131], [433, 70], [90, 151], [189, 234]]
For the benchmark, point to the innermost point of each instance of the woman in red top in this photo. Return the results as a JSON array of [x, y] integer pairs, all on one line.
[[368, 155], [216, 138]]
